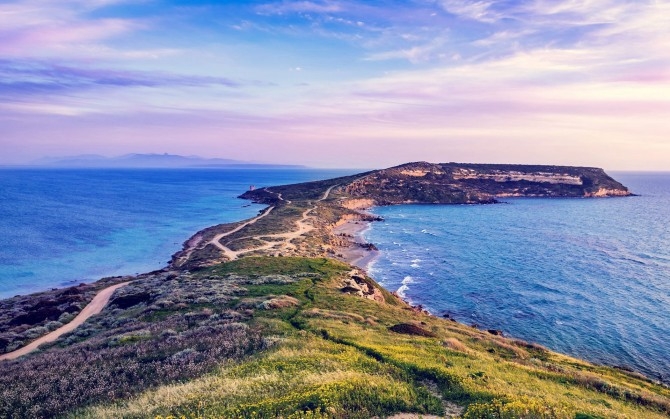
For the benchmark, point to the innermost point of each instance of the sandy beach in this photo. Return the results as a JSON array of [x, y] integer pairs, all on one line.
[[354, 254]]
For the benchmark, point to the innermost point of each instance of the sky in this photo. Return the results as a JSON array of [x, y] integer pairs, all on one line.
[[339, 83]]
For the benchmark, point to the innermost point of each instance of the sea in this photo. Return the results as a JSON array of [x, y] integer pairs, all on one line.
[[586, 277], [64, 226]]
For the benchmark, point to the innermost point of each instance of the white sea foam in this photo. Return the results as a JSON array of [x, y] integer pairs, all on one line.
[[405, 286], [520, 275]]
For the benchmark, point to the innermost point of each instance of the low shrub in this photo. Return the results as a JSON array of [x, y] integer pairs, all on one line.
[[52, 383], [522, 408]]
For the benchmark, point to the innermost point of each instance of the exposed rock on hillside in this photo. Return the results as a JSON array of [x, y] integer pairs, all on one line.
[[452, 183], [457, 183]]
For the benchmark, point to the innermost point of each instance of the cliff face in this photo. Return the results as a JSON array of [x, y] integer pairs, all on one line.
[[458, 183]]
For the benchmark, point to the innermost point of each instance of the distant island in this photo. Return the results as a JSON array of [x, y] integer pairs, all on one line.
[[152, 160], [269, 317]]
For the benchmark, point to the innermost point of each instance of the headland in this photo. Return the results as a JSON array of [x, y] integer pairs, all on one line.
[[322, 219], [268, 318]]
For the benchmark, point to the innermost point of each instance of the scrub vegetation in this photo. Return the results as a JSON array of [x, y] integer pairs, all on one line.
[[212, 344], [297, 337]]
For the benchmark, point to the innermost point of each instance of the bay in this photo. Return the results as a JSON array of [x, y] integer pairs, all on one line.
[[586, 277]]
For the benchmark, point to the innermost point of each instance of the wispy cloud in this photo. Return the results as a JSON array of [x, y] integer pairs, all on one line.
[[40, 77], [579, 12], [429, 51], [43, 87], [38, 28], [476, 10], [300, 7], [504, 78], [60, 37]]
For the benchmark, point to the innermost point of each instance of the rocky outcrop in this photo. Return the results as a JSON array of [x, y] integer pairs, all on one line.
[[605, 192], [356, 283], [464, 183], [358, 204]]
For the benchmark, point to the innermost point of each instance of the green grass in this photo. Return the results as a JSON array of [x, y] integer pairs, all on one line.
[[303, 376], [334, 356], [278, 266]]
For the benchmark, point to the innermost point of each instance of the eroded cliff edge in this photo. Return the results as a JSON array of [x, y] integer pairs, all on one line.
[[465, 183]]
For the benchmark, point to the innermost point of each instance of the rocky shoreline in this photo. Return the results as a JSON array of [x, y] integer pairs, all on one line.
[[288, 286], [321, 219]]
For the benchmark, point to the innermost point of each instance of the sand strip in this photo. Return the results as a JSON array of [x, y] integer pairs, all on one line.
[[355, 254]]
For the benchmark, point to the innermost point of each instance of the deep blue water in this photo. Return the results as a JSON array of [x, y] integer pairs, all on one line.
[[59, 227], [587, 277]]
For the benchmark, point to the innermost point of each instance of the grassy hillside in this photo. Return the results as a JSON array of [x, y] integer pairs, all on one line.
[[329, 353], [253, 320]]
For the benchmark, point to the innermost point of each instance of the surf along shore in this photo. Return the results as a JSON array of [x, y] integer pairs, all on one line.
[[277, 275]]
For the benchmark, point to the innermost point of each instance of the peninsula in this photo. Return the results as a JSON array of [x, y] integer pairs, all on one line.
[[268, 318], [303, 219]]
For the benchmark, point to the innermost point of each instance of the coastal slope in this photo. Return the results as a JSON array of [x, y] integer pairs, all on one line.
[[259, 319]]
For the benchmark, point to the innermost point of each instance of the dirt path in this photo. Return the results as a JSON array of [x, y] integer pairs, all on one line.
[[94, 307], [302, 224], [216, 241], [327, 193]]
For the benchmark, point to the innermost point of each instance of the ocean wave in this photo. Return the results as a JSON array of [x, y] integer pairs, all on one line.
[[402, 290], [564, 273]]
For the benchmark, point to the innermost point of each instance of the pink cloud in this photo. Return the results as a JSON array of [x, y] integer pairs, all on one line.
[[55, 37]]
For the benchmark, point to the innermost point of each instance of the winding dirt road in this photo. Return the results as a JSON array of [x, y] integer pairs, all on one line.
[[303, 227], [216, 241], [94, 307], [102, 298]]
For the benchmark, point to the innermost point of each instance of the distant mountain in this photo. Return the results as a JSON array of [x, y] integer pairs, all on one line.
[[149, 161]]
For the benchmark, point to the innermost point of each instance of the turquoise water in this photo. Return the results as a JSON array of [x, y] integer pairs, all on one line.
[[587, 277], [59, 227]]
